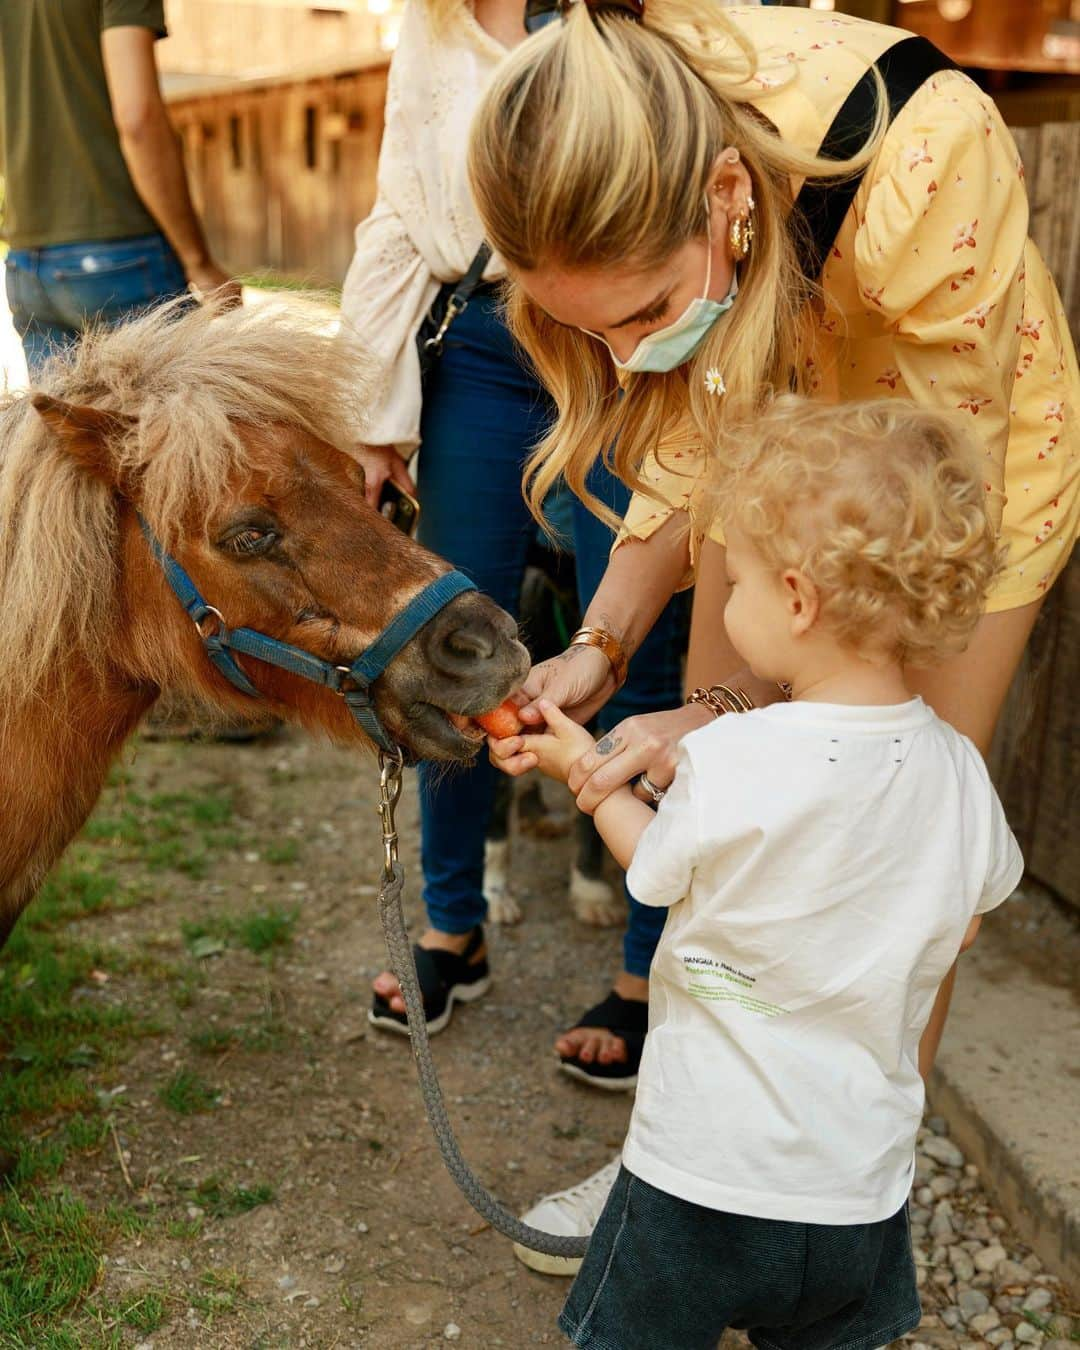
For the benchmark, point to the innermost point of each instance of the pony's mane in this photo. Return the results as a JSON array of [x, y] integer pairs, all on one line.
[[187, 376]]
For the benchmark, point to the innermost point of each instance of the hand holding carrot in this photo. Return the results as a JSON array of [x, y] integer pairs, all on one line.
[[553, 751]]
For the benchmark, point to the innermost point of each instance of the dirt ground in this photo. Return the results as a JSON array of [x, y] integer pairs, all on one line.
[[366, 1242], [270, 1142]]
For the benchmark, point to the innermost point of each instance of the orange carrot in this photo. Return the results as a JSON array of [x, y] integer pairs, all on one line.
[[502, 721]]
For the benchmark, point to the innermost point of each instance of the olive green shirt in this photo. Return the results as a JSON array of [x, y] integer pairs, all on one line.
[[64, 176]]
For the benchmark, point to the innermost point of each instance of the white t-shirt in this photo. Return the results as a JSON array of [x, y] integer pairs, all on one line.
[[822, 864]]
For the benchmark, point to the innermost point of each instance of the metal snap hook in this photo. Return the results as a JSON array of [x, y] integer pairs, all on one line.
[[390, 767]]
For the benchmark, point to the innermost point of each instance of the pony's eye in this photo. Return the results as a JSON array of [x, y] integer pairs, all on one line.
[[251, 540]]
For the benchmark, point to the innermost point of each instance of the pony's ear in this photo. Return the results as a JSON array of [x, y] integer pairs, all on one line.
[[84, 433]]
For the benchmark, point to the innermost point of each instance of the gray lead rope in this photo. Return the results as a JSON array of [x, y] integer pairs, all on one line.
[[404, 967]]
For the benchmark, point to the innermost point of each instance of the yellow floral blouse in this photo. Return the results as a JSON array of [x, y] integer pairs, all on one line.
[[933, 291]]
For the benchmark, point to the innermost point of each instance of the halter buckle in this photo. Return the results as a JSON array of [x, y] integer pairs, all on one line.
[[209, 612]]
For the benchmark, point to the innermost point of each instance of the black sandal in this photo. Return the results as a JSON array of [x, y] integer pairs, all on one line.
[[445, 979], [627, 1018]]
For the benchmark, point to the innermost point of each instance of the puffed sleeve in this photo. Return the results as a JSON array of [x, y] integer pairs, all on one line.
[[939, 255], [676, 472], [388, 289], [389, 286]]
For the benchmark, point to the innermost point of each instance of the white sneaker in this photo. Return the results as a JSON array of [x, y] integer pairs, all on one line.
[[570, 1213]]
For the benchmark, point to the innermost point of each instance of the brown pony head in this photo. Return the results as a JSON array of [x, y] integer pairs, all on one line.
[[224, 432]]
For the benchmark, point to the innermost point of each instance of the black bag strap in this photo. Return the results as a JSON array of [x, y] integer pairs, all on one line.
[[459, 299], [823, 203], [469, 282]]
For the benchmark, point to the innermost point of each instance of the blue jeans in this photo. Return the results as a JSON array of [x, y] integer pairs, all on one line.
[[653, 684], [482, 413], [662, 1273], [56, 292]]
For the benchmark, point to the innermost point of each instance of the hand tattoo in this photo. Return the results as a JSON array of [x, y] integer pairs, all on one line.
[[608, 744]]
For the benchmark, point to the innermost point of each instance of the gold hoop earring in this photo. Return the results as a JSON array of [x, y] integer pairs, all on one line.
[[740, 237]]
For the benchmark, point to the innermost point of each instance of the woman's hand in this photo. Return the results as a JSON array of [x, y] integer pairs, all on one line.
[[379, 463], [579, 682], [209, 282], [642, 744]]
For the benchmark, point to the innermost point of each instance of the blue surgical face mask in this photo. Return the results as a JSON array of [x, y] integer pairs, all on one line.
[[675, 343]]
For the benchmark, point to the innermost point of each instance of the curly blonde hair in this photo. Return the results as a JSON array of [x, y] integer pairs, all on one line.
[[882, 506]]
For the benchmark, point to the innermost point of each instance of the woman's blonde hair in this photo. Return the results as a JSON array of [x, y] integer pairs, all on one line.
[[594, 146], [882, 506]]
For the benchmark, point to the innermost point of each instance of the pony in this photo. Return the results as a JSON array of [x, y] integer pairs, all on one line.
[[227, 432]]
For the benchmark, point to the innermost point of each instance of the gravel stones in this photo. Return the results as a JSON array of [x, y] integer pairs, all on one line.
[[971, 1303], [978, 1291], [1011, 1275], [942, 1150], [990, 1257]]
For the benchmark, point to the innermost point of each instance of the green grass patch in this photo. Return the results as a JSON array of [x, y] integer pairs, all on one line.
[[54, 1030], [260, 932], [222, 1291], [145, 1312], [187, 1094], [282, 851], [266, 929], [268, 280], [85, 1132], [63, 1035], [214, 1040], [223, 1201], [177, 831], [49, 1261]]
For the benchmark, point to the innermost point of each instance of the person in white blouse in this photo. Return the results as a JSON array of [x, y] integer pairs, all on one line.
[[477, 413]]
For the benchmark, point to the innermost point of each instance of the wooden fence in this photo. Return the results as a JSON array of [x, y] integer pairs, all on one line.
[[282, 172], [1036, 756]]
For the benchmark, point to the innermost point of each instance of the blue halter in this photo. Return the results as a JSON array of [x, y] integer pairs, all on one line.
[[353, 682]]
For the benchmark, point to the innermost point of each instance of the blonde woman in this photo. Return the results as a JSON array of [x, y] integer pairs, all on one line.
[[476, 415], [636, 165]]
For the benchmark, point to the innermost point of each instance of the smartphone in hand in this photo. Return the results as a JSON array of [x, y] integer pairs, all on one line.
[[399, 507]]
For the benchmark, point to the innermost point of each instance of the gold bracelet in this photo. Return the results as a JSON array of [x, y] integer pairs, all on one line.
[[721, 698], [607, 643]]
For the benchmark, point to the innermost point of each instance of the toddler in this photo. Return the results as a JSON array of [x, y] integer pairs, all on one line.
[[823, 861]]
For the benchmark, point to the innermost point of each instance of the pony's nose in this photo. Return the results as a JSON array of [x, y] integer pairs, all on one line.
[[457, 648], [467, 634], [472, 641]]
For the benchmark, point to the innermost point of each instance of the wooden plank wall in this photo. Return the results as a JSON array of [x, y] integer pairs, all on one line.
[[1036, 755], [282, 175]]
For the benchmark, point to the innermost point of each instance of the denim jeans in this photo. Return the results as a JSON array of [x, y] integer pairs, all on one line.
[[56, 292], [662, 1273], [653, 684], [482, 413]]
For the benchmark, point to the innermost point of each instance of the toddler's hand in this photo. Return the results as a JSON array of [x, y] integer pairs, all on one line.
[[559, 746]]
